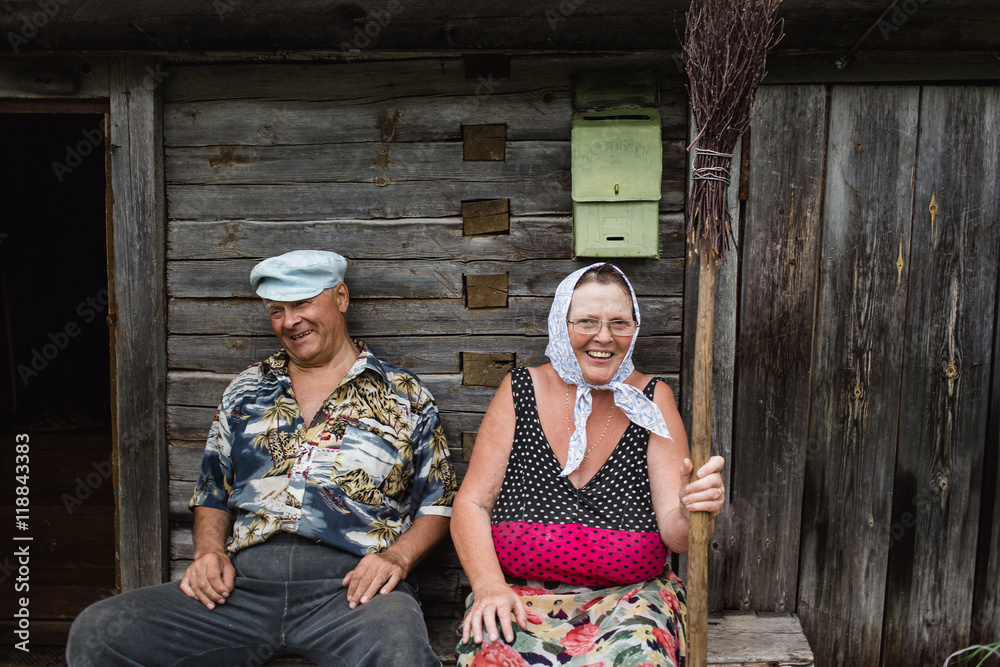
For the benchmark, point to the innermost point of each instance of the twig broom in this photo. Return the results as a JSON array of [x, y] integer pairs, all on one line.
[[725, 45]]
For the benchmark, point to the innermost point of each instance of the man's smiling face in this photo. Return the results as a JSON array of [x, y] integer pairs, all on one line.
[[310, 329]]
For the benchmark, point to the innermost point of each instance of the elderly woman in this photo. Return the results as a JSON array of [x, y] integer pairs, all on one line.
[[576, 494]]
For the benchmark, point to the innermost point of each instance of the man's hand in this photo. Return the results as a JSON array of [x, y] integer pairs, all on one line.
[[376, 573], [209, 579]]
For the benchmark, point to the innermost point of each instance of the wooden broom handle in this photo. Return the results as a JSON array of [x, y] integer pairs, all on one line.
[[701, 449]]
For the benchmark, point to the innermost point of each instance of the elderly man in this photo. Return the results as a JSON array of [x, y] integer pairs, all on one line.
[[325, 479]]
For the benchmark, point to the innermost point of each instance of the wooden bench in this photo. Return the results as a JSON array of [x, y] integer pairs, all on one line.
[[735, 639]]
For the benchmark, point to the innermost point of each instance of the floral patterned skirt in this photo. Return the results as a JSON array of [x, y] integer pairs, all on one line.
[[576, 626]]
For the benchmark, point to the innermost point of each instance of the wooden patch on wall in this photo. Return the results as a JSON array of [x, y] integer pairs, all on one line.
[[468, 442], [484, 142], [486, 291], [486, 370], [485, 217]]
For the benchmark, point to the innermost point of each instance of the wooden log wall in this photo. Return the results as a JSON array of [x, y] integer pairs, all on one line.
[[864, 449], [367, 159]]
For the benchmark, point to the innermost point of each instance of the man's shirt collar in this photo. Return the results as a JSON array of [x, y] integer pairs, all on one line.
[[277, 363]]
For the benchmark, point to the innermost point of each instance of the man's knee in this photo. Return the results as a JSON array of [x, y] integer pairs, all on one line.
[[399, 622], [99, 626]]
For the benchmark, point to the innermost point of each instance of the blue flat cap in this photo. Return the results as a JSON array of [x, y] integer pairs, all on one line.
[[297, 275]]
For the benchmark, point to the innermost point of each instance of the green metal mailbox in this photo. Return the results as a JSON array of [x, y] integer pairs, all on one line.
[[617, 166]]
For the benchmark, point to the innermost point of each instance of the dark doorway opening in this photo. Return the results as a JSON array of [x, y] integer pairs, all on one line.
[[55, 372]]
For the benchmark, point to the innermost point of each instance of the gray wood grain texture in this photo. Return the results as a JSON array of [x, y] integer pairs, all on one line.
[[379, 200], [438, 239], [745, 639], [140, 344], [778, 282], [377, 164], [881, 66], [599, 25], [986, 602], [948, 344], [344, 173], [401, 101], [397, 81], [860, 313]]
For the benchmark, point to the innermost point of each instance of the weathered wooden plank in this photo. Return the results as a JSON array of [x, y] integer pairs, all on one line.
[[948, 344], [435, 354], [389, 200], [423, 279], [534, 103], [880, 66], [412, 78], [986, 601], [778, 281], [139, 330], [388, 317], [532, 115], [747, 639], [361, 27], [379, 164], [531, 238], [723, 367], [18, 76], [184, 460], [860, 313]]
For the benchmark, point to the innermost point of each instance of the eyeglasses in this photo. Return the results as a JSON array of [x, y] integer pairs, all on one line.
[[590, 326]]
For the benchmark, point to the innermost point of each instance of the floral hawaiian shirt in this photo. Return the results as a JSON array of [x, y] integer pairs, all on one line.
[[374, 459]]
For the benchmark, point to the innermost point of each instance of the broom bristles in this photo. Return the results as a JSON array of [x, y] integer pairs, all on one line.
[[726, 44]]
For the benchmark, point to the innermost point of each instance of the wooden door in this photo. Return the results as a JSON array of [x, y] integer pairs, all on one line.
[[863, 460], [57, 469]]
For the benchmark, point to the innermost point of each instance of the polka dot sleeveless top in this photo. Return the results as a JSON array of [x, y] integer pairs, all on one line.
[[546, 529]]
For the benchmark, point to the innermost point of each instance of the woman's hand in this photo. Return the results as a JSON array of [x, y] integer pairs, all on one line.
[[707, 493], [490, 603]]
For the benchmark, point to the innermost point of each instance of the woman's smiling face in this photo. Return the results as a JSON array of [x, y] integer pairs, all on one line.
[[599, 354]]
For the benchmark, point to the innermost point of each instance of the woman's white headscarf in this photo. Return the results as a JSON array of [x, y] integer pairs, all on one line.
[[631, 400]]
